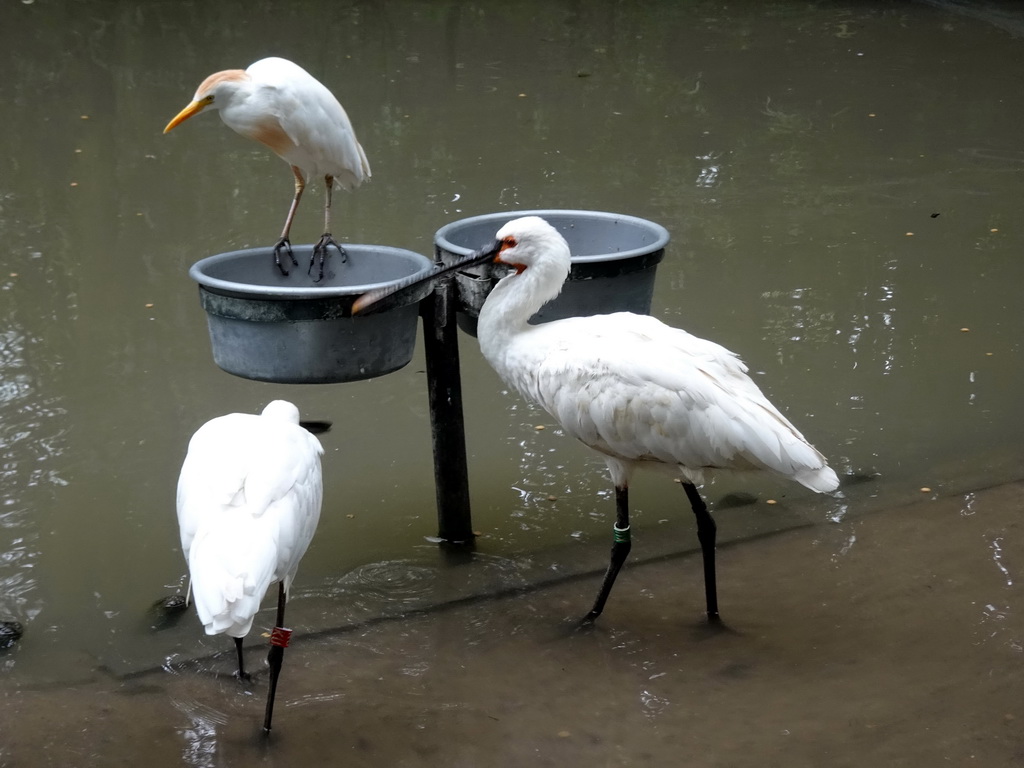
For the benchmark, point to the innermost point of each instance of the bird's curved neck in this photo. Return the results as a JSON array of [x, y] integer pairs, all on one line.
[[515, 299]]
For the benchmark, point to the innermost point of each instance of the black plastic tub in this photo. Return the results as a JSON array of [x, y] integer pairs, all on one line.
[[269, 327], [614, 260]]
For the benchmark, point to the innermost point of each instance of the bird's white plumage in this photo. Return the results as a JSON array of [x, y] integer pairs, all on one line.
[[275, 96], [282, 106], [642, 393], [249, 498]]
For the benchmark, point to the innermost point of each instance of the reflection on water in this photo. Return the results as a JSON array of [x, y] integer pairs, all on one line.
[[994, 627], [969, 501], [996, 545], [394, 582], [200, 736], [653, 704], [398, 586], [31, 444], [320, 697]]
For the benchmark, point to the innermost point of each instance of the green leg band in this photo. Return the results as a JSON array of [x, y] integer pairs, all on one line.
[[621, 534]]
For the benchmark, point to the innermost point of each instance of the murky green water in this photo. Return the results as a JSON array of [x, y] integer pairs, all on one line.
[[842, 184]]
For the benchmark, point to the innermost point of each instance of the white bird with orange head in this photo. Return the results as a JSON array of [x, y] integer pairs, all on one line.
[[282, 106], [641, 393], [249, 497]]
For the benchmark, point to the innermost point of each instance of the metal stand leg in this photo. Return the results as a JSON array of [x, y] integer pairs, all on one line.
[[444, 388]]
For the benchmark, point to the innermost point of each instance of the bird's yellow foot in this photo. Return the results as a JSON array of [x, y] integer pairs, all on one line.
[[320, 254], [284, 244]]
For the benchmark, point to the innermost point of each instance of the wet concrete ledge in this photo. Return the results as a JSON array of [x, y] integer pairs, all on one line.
[[456, 577]]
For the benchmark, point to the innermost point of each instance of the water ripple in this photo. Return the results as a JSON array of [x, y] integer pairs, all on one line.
[[31, 438], [395, 582], [653, 705], [996, 545], [200, 736], [322, 697]]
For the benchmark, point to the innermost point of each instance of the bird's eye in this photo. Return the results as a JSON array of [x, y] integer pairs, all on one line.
[[509, 242]]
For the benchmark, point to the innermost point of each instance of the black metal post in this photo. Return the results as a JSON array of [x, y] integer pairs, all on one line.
[[444, 390]]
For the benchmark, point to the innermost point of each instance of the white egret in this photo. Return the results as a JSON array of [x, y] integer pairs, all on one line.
[[642, 394], [249, 498], [282, 106]]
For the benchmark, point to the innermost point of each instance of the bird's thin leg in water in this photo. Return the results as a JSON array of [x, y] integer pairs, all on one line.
[[706, 534], [620, 551], [241, 674], [320, 251], [284, 244], [278, 642]]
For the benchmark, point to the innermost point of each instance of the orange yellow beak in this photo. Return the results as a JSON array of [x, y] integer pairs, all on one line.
[[192, 109]]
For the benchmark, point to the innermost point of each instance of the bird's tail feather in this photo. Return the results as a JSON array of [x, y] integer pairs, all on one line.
[[822, 480]]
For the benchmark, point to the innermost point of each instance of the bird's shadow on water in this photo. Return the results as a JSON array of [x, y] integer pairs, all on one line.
[[166, 612], [221, 666]]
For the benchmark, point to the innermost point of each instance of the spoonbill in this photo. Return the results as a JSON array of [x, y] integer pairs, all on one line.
[[279, 104], [639, 392], [249, 497]]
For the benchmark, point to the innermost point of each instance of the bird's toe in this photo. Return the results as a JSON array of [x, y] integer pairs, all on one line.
[[320, 252], [284, 244]]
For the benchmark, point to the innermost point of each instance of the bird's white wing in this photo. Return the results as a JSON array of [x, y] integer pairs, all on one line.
[[249, 499], [314, 120], [231, 564], [213, 474], [283, 485], [633, 388], [294, 503]]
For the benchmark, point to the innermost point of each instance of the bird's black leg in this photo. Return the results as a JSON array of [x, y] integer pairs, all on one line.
[[241, 674], [284, 244], [320, 254], [620, 551], [706, 534], [320, 251], [278, 641]]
